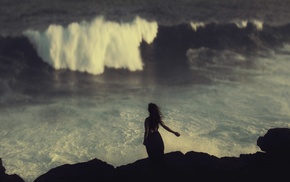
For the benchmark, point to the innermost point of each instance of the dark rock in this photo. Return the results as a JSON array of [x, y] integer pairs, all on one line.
[[6, 177], [198, 166], [91, 171], [276, 141], [2, 170], [271, 165], [274, 164], [193, 166], [171, 168]]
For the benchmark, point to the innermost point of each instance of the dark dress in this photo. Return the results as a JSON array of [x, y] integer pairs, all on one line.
[[155, 146]]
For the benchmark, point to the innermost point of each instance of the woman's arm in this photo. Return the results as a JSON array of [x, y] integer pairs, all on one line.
[[168, 129]]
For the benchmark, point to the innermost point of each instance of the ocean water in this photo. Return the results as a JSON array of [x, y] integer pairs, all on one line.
[[76, 78]]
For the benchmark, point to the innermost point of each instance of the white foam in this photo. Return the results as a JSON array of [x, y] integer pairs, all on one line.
[[241, 23], [244, 23], [205, 56], [92, 46], [258, 24], [222, 119], [196, 25]]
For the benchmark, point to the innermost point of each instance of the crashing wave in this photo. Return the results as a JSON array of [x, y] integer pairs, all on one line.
[[92, 46]]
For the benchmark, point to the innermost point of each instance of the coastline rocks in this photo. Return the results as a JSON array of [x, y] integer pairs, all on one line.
[[276, 141], [8, 178], [176, 166], [192, 166], [273, 164], [91, 171]]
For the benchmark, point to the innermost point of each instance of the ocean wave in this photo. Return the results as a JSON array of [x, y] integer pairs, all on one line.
[[204, 56], [236, 35], [238, 22], [93, 46]]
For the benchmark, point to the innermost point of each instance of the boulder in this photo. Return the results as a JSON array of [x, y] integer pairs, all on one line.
[[274, 164], [270, 165], [276, 141], [6, 177], [171, 168], [91, 171]]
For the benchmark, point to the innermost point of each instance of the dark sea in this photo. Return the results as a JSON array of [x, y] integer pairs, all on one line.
[[76, 78]]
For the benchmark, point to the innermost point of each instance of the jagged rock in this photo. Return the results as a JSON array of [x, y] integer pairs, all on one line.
[[269, 165], [192, 166], [91, 171], [2, 170], [274, 164], [276, 141], [169, 169], [8, 178]]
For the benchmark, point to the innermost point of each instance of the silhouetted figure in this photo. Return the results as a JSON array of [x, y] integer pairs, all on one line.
[[152, 138]]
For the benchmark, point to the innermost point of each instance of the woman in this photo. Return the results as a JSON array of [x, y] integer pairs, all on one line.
[[152, 138]]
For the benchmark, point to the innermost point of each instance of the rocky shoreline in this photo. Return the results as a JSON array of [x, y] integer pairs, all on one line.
[[272, 164]]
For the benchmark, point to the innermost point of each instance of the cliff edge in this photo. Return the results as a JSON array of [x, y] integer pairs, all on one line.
[[271, 164]]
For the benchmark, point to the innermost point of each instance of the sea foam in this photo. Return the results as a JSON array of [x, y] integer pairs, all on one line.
[[221, 119], [92, 46]]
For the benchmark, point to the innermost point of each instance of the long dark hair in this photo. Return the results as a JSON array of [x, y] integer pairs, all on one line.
[[155, 115]]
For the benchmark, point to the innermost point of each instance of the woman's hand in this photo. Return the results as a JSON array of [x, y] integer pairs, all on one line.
[[177, 134]]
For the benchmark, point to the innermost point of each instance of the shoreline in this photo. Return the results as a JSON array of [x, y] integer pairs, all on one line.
[[272, 163]]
